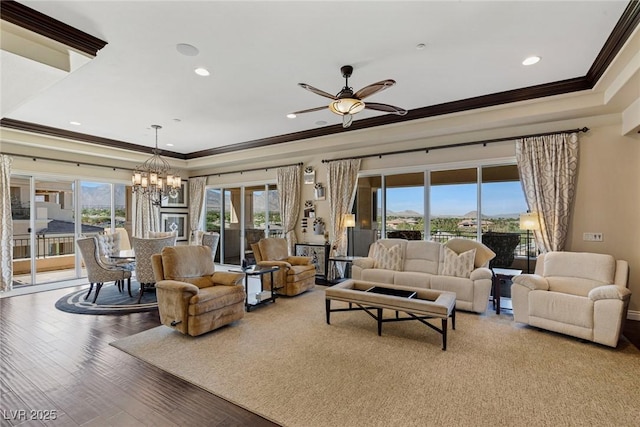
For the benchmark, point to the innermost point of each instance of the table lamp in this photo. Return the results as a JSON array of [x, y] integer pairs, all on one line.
[[529, 221], [349, 223]]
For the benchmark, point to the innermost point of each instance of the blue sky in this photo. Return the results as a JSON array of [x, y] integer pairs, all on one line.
[[497, 198]]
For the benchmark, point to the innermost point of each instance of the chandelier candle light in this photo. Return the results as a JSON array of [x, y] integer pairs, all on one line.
[[154, 178]]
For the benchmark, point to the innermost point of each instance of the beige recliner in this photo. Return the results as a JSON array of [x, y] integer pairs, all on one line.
[[580, 294], [193, 298], [296, 273]]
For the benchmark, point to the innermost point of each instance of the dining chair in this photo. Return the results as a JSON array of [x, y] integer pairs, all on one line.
[[211, 240], [108, 252], [97, 272], [143, 249]]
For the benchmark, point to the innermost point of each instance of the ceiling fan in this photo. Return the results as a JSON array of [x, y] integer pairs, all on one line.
[[346, 103]]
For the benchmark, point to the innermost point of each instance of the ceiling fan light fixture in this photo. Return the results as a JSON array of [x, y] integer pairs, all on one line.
[[346, 106]]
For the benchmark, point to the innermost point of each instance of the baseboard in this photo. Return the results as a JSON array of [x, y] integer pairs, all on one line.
[[633, 315]]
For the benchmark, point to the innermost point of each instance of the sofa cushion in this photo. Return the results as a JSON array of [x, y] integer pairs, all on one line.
[[422, 256], [483, 253], [462, 287], [562, 308], [378, 275], [388, 259], [598, 267], [458, 265], [410, 278]]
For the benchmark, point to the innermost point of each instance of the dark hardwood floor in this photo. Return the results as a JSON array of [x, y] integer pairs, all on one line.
[[62, 365]]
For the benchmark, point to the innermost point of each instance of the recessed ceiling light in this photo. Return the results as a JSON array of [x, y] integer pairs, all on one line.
[[201, 71], [321, 123], [531, 60], [169, 145], [75, 123], [291, 116], [420, 46], [187, 49]]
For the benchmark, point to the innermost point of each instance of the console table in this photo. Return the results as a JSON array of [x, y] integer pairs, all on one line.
[[319, 253]]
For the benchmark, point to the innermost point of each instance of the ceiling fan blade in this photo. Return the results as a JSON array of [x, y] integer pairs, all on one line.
[[317, 91], [347, 119], [386, 108], [310, 110], [374, 88]]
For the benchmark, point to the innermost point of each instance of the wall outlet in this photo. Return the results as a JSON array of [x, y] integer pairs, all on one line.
[[592, 237]]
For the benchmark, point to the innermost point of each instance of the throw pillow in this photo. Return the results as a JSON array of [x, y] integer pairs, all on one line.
[[458, 265], [388, 259]]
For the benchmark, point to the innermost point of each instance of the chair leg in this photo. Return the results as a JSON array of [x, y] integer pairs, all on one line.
[[129, 286], [98, 287], [86, 297], [141, 292]]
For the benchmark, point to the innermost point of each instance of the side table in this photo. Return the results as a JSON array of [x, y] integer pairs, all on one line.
[[501, 274], [260, 272], [348, 260]]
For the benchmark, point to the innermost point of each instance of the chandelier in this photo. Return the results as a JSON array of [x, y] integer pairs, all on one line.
[[154, 178]]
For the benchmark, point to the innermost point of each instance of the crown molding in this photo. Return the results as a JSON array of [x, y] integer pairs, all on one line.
[[32, 20]]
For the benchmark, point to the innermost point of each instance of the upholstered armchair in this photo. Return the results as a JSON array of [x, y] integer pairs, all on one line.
[[193, 298], [580, 294], [296, 273], [210, 239], [98, 272], [143, 249], [504, 245]]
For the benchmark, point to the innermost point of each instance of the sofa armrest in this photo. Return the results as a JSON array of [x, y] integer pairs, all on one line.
[[227, 278], [284, 265], [177, 286], [532, 281], [481, 273], [609, 292], [299, 260], [364, 262]]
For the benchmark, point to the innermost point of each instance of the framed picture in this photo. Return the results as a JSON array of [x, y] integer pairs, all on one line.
[[309, 177], [182, 201], [175, 222]]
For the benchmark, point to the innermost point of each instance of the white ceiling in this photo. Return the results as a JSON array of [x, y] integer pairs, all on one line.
[[258, 52]]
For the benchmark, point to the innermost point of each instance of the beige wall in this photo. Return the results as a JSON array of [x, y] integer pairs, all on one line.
[[607, 200]]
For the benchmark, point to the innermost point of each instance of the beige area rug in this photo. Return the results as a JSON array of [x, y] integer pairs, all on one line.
[[285, 363]]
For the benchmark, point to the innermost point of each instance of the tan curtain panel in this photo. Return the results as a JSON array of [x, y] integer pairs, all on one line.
[[6, 225], [342, 178], [147, 216], [548, 166], [289, 181], [197, 188]]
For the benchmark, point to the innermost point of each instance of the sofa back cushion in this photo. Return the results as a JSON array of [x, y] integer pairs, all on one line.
[[191, 264], [482, 256], [458, 265], [387, 258], [578, 272], [273, 249], [422, 256], [387, 244]]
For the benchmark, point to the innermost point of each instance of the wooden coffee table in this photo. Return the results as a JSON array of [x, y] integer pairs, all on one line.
[[419, 304]]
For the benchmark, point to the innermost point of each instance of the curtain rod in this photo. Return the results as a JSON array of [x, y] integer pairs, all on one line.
[[67, 161], [127, 169], [247, 170], [460, 144]]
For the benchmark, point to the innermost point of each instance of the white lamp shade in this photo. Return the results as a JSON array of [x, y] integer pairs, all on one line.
[[346, 106], [529, 221], [349, 220]]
